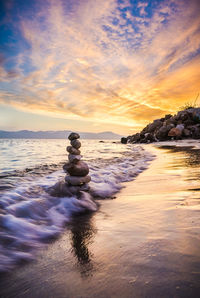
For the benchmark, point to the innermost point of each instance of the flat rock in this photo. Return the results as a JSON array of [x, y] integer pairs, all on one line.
[[73, 150], [74, 158], [60, 189], [76, 181], [73, 136], [76, 169], [76, 144]]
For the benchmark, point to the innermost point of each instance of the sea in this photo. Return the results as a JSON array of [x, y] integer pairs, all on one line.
[[29, 216]]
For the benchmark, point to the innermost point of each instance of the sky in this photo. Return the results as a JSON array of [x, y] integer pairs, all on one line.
[[96, 65]]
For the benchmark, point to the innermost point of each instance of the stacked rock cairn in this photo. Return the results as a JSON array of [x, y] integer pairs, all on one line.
[[77, 177]]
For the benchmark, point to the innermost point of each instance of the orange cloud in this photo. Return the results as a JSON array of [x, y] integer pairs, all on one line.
[[136, 69]]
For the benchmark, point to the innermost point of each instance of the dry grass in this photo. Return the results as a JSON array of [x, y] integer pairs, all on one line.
[[190, 104]]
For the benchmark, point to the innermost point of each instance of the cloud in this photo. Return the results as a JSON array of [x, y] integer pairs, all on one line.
[[98, 61]]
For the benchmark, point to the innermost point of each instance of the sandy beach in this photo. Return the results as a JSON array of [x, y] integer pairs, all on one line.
[[143, 243]]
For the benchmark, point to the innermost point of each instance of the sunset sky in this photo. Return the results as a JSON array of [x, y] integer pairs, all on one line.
[[96, 65]]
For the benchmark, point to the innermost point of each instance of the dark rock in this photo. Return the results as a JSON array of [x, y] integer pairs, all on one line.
[[60, 189], [135, 138], [182, 116], [189, 122], [155, 125], [73, 136], [149, 137], [101, 142], [73, 150], [196, 116], [195, 131], [124, 140], [184, 124], [74, 180], [76, 144], [163, 132], [168, 116], [143, 140], [78, 169], [186, 133]]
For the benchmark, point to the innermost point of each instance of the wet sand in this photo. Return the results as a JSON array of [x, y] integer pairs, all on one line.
[[144, 243]]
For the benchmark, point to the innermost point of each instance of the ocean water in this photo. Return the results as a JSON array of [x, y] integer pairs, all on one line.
[[29, 215]]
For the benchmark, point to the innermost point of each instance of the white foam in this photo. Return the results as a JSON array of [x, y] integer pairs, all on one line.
[[30, 216]]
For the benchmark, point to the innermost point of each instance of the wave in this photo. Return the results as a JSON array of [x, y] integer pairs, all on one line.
[[30, 216]]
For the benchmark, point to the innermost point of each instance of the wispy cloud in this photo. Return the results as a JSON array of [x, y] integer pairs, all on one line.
[[98, 60]]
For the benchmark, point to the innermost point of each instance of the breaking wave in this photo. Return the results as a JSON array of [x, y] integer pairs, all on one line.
[[30, 216]]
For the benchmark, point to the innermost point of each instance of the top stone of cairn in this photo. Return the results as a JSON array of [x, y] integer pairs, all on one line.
[[73, 136]]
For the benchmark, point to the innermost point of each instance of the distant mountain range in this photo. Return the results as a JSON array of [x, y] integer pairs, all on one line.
[[61, 134]]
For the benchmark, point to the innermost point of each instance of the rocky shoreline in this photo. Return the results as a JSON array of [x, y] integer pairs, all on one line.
[[183, 125]]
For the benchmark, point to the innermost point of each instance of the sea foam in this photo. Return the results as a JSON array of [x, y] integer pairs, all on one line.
[[30, 216]]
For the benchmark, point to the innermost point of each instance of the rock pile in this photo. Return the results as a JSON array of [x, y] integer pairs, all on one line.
[[77, 177], [185, 124]]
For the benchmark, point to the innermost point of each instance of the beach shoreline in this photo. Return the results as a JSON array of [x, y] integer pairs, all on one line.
[[145, 243]]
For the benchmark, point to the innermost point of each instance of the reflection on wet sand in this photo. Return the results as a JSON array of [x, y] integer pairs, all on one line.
[[82, 234], [147, 243], [187, 158], [189, 154]]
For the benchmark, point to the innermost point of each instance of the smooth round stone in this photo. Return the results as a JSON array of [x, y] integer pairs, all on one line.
[[76, 144], [74, 158], [76, 181], [76, 169], [60, 189], [73, 150], [73, 136]]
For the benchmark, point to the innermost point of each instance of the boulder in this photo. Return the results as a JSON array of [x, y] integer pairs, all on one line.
[[149, 137], [195, 131], [189, 122], [180, 127], [182, 116], [76, 181], [184, 124], [170, 121], [186, 133], [174, 132], [76, 169], [196, 115], [135, 138], [73, 150], [73, 136], [155, 125], [168, 116], [163, 132], [76, 144], [124, 140]]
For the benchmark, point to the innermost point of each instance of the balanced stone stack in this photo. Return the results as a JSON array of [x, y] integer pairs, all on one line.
[[77, 177]]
